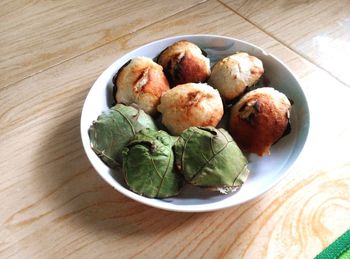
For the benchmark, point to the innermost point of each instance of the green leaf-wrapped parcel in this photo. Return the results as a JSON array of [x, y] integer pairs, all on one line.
[[209, 157], [114, 128], [148, 165]]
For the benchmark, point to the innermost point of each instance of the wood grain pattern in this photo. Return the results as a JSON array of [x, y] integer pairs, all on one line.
[[51, 32], [318, 30], [55, 205]]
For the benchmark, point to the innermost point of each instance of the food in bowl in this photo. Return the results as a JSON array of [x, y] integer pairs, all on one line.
[[191, 104], [233, 74], [184, 62], [205, 156], [259, 119], [266, 171], [209, 158], [140, 81], [148, 164], [113, 129]]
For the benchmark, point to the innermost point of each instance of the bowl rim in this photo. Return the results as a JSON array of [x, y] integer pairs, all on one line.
[[201, 207]]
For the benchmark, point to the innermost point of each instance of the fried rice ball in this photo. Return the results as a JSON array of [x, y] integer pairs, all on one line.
[[233, 74], [259, 119], [142, 82], [184, 62], [191, 104]]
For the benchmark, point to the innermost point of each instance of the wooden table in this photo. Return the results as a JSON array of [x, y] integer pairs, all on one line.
[[53, 203]]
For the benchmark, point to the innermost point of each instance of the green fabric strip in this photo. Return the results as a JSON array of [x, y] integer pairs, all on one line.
[[339, 249]]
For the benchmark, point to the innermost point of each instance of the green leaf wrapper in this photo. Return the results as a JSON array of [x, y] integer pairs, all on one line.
[[209, 157], [114, 128], [148, 165]]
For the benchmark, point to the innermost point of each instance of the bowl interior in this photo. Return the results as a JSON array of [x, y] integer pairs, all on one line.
[[265, 171]]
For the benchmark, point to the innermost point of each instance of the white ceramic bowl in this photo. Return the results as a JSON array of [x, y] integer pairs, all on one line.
[[265, 171]]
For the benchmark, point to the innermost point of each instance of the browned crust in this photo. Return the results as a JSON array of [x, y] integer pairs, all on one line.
[[192, 100], [181, 68], [187, 106], [258, 132], [256, 71], [142, 80], [190, 69], [156, 84]]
